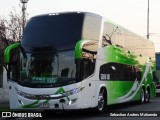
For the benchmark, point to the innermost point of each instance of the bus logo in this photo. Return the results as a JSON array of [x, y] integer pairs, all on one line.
[[6, 114]]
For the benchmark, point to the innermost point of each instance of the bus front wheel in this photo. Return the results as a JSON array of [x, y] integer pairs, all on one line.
[[102, 100]]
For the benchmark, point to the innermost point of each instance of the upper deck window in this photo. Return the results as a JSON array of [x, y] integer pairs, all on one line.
[[61, 31]]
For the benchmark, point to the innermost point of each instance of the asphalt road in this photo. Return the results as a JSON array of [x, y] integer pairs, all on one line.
[[133, 108]]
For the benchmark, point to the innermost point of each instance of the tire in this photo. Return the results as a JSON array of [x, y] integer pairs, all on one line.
[[147, 96], [142, 96], [102, 100]]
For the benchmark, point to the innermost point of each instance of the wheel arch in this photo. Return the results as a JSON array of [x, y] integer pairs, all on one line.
[[103, 86]]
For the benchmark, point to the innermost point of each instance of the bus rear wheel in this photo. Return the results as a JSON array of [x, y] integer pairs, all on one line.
[[142, 96], [102, 100], [147, 96]]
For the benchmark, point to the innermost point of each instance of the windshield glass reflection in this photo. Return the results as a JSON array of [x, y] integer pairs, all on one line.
[[48, 68]]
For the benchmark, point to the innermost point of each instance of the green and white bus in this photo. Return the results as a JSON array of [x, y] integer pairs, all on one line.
[[78, 60]]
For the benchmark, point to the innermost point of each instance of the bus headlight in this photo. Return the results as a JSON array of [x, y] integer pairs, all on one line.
[[25, 95], [73, 91], [72, 101]]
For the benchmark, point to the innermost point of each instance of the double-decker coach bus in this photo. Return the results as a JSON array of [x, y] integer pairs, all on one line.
[[78, 60]]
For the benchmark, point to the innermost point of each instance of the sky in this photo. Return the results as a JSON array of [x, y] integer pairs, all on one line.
[[131, 14]]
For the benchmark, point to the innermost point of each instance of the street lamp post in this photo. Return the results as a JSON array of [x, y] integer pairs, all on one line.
[[23, 13], [148, 21]]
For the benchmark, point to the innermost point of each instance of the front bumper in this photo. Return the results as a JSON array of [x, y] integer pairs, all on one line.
[[63, 103]]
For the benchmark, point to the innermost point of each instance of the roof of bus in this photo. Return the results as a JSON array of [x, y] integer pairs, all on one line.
[[95, 15], [70, 12]]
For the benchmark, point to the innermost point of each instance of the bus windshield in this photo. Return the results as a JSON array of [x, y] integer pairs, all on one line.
[[58, 31], [48, 68]]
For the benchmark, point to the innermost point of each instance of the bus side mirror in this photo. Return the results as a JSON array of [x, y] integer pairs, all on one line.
[[10, 53]]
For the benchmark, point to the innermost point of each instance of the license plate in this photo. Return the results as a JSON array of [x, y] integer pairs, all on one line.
[[44, 105]]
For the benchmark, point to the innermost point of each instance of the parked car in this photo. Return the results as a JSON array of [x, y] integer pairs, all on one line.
[[158, 89]]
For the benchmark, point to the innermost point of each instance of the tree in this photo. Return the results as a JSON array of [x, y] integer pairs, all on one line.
[[10, 31], [14, 26], [3, 33], [4, 42]]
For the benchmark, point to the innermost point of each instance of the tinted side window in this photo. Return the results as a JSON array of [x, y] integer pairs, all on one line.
[[117, 71], [112, 71], [87, 68], [132, 73], [14, 68]]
